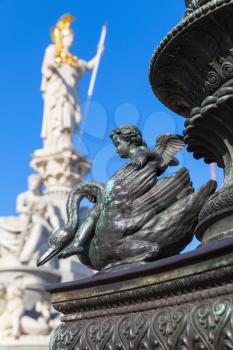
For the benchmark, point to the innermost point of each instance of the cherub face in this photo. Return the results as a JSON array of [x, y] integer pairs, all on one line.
[[122, 146]]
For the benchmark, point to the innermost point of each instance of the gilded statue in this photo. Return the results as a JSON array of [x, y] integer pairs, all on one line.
[[61, 72]]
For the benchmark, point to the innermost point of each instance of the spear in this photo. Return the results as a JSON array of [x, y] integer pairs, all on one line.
[[93, 77], [95, 70]]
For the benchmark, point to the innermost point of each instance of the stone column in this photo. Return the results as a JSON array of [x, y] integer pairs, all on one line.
[[60, 171]]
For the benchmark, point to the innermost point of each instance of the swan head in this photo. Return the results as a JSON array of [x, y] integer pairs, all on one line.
[[56, 242]]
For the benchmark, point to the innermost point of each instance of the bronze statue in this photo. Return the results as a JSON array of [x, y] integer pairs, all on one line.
[[135, 217]]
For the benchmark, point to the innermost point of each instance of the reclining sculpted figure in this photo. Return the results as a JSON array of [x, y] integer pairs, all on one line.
[[136, 217]]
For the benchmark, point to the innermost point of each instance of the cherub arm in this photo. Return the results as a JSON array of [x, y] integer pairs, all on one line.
[[164, 153], [142, 157]]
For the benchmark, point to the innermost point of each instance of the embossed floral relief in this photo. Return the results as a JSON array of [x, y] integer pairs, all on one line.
[[204, 325], [195, 58]]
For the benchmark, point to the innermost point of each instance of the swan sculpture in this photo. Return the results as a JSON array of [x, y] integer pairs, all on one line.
[[136, 217]]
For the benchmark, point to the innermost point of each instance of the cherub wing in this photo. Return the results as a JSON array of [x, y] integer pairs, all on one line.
[[165, 192], [142, 203], [166, 148]]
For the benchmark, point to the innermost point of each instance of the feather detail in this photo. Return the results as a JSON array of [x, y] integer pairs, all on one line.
[[166, 148]]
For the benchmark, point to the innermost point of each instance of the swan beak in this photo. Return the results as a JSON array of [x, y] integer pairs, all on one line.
[[51, 252]]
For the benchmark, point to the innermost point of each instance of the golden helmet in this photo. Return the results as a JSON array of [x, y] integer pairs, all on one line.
[[62, 27]]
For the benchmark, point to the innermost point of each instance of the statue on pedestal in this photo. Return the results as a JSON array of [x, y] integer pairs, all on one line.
[[58, 163], [61, 72]]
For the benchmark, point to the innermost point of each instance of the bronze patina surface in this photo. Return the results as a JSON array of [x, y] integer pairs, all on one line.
[[205, 258], [191, 72], [178, 300], [136, 217]]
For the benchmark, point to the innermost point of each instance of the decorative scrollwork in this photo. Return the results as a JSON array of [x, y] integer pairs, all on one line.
[[168, 325], [132, 329], [127, 301], [198, 47], [203, 325], [222, 71], [99, 333], [213, 80], [214, 117], [210, 319], [193, 5], [223, 200]]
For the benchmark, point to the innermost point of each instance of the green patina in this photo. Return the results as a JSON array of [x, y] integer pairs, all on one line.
[[135, 218]]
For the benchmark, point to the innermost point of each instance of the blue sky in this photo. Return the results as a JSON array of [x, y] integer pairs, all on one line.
[[122, 93]]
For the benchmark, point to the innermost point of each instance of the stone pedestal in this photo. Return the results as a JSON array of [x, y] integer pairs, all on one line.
[[35, 281], [59, 172], [180, 303], [60, 169]]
